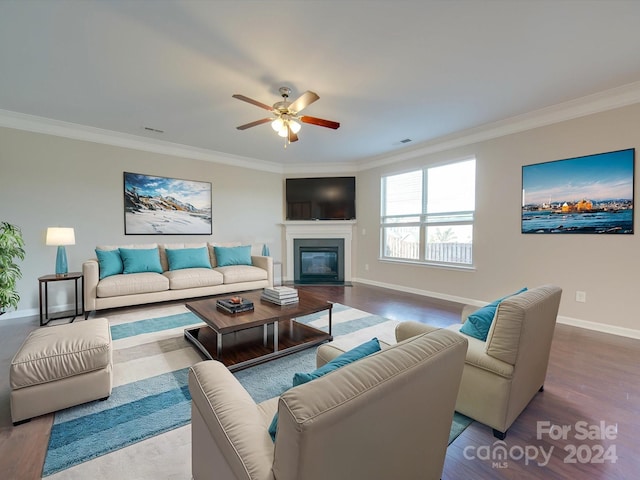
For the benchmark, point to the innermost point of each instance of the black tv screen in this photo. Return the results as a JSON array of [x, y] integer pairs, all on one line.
[[325, 198]]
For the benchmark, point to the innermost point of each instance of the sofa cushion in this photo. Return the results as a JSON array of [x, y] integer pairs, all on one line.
[[188, 258], [479, 322], [110, 263], [176, 246], [138, 260], [226, 256], [193, 278], [131, 284], [242, 273]]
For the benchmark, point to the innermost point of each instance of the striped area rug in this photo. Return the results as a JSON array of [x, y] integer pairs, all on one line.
[[142, 430]]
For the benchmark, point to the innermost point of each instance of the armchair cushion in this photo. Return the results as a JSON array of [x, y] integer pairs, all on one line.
[[479, 322], [350, 356], [346, 358]]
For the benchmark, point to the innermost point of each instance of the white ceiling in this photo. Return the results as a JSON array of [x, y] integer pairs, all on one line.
[[386, 70]]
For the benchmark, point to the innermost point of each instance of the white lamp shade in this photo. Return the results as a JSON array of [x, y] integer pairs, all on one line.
[[60, 236], [294, 126], [277, 124]]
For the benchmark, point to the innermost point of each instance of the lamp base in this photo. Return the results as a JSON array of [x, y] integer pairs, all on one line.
[[61, 262]]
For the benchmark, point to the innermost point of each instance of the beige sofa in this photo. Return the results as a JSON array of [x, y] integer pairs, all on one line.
[[385, 416], [149, 287], [503, 374]]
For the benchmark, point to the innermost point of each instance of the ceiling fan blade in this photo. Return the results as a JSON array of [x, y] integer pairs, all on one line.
[[253, 124], [303, 101], [252, 102], [292, 136], [319, 121]]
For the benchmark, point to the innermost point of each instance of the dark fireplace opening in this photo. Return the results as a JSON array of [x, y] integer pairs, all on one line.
[[318, 263], [319, 260]]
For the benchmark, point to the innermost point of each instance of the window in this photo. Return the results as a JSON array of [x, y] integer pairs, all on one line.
[[427, 214]]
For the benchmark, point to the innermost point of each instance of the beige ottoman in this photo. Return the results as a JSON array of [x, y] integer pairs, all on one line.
[[61, 366]]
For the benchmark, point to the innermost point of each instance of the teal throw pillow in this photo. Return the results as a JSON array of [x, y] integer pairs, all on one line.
[[346, 358], [137, 260], [479, 322], [110, 263], [188, 258], [226, 256]]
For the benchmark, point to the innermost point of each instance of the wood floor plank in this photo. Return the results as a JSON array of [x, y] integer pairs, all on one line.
[[592, 378]]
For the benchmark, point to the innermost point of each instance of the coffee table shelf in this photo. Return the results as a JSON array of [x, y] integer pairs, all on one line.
[[244, 339]]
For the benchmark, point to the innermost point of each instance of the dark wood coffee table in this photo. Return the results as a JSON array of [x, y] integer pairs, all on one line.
[[240, 340]]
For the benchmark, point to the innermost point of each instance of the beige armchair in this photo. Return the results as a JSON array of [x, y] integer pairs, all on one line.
[[503, 374], [385, 416]]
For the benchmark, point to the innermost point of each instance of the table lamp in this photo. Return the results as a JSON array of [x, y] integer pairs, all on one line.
[[61, 236]]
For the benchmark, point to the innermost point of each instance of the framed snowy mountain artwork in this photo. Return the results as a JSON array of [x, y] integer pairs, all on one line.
[[166, 206]]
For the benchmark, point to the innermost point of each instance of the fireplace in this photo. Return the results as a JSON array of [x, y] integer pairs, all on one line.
[[319, 260]]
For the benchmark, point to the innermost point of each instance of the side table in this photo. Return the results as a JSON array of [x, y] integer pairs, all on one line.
[[44, 282]]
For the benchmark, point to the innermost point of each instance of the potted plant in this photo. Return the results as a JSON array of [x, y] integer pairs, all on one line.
[[11, 248]]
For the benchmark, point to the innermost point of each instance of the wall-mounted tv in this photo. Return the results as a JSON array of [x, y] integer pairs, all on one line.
[[591, 194], [322, 198]]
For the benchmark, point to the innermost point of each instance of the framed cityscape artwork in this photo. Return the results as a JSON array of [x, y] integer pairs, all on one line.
[[166, 206], [590, 194]]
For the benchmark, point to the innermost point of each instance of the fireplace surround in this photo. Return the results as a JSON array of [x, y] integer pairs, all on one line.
[[329, 229]]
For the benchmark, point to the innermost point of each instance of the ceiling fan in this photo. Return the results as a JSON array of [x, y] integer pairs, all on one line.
[[286, 118]]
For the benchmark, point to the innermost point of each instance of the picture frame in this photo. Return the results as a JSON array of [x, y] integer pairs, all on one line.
[[155, 205], [593, 194]]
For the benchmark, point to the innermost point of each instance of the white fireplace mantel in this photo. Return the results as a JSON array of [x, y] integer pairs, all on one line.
[[318, 229]]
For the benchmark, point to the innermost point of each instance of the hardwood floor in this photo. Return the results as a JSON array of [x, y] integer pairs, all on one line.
[[592, 386]]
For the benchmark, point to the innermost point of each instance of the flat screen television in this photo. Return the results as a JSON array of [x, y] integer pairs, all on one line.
[[323, 198]]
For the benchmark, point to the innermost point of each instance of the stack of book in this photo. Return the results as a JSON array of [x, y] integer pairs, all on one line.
[[280, 295], [235, 305]]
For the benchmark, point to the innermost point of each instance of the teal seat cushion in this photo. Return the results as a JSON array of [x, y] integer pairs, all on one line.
[[188, 258], [226, 256], [137, 260], [478, 324], [346, 358], [109, 263]]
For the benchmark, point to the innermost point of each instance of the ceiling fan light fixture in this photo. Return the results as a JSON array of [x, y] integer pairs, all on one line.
[[295, 126], [277, 124], [283, 132]]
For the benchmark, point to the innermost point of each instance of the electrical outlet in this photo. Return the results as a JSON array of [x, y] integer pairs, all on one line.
[[581, 296]]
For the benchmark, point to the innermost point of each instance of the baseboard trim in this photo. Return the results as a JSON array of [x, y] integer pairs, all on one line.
[[573, 322], [600, 327], [35, 312]]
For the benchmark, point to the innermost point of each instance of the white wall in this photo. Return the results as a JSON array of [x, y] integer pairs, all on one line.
[[53, 181], [47, 181], [606, 267]]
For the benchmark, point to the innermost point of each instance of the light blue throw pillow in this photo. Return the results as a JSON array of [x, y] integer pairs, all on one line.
[[226, 256], [346, 358], [479, 322], [188, 258], [138, 260], [110, 263]]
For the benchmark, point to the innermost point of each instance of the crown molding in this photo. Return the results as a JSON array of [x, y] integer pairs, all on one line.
[[599, 102], [32, 123], [580, 107]]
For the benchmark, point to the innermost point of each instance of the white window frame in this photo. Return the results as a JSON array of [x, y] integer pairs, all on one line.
[[422, 220]]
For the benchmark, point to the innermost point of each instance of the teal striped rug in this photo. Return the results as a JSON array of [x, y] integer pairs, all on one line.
[[150, 394]]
